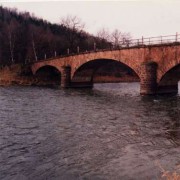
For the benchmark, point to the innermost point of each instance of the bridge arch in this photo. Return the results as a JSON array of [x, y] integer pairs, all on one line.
[[44, 65], [166, 67], [169, 80], [86, 72], [115, 56], [48, 75]]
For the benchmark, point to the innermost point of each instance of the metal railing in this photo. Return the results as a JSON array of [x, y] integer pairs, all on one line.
[[151, 40], [126, 43]]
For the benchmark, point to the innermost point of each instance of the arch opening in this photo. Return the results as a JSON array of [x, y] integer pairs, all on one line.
[[48, 76], [103, 71], [169, 81]]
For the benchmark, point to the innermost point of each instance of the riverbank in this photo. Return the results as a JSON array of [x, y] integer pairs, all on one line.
[[16, 75]]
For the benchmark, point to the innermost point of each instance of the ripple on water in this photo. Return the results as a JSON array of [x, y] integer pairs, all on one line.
[[109, 132]]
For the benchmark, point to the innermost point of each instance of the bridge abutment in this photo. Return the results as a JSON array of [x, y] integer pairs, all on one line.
[[148, 84], [66, 77]]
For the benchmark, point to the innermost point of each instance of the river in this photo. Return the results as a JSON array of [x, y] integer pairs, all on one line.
[[109, 132]]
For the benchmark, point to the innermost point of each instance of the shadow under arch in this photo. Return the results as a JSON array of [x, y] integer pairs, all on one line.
[[169, 81], [103, 71], [48, 76]]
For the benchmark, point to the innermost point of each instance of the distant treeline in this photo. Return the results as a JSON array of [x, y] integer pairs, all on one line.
[[25, 38]]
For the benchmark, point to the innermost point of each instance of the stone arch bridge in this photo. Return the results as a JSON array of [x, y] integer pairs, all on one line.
[[156, 66]]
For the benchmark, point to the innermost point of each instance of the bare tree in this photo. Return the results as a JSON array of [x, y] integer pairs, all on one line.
[[118, 38], [72, 22], [104, 34], [74, 25], [34, 47], [104, 37], [126, 37], [11, 34]]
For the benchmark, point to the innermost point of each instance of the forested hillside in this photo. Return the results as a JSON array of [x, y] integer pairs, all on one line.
[[25, 38]]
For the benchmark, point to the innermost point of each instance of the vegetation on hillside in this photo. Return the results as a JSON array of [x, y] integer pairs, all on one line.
[[25, 38]]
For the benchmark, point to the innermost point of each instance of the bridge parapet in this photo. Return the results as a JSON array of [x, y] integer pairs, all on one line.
[[143, 42]]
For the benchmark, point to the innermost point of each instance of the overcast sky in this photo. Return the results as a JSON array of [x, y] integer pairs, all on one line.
[[140, 18]]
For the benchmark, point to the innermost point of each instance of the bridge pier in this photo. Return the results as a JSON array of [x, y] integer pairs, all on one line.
[[66, 77], [148, 84]]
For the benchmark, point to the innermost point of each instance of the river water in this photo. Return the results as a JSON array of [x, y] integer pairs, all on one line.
[[106, 133]]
